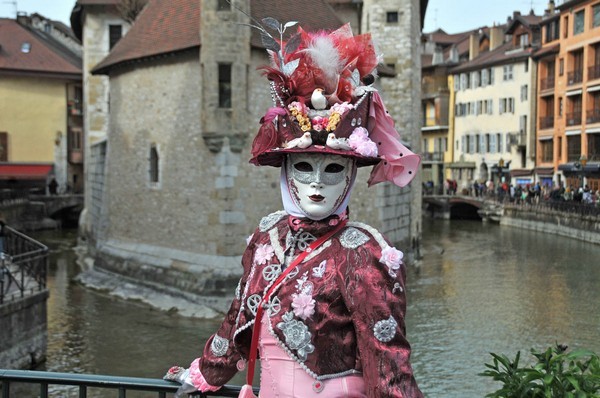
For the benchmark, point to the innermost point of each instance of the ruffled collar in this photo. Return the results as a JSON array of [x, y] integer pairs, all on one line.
[[315, 227]]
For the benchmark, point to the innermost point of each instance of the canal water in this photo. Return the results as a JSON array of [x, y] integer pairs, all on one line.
[[479, 288]]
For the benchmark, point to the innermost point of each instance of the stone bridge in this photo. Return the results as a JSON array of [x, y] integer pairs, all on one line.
[[58, 204], [454, 206]]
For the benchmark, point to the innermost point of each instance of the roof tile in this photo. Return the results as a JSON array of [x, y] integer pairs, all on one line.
[[41, 58]]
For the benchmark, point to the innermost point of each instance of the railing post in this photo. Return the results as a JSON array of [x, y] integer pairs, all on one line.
[[6, 389], [82, 392]]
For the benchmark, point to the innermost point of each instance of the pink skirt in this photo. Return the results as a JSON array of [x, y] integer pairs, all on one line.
[[282, 377]]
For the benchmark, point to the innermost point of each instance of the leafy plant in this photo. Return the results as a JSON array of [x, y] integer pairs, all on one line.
[[556, 374]]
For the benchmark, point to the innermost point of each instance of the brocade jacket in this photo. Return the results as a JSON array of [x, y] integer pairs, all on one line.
[[340, 312]]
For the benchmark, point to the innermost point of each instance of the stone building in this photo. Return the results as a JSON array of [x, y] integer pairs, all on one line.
[[176, 194]]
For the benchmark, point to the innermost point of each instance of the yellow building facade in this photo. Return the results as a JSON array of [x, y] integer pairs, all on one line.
[[34, 117]]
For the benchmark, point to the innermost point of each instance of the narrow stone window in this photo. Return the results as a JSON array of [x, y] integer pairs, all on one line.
[[115, 32], [224, 5], [392, 17], [224, 85], [154, 163]]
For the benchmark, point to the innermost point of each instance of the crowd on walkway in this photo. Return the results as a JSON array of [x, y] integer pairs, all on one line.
[[530, 193]]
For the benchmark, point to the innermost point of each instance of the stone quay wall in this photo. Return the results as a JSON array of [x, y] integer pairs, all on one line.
[[23, 335], [572, 225]]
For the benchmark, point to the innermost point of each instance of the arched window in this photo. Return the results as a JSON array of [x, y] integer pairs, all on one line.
[[154, 163]]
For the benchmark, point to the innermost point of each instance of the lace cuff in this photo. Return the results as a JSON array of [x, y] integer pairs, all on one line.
[[198, 379]]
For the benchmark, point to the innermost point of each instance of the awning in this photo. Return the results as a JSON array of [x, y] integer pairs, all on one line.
[[9, 171], [544, 171], [521, 172]]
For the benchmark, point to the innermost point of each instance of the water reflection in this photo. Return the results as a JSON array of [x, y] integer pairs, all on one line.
[[480, 289], [484, 288]]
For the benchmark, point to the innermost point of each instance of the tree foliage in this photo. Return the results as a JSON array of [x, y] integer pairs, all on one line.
[[129, 9]]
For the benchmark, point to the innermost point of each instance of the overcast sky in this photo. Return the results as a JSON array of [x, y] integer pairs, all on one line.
[[451, 15]]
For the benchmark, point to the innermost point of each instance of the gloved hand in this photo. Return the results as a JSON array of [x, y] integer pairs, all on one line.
[[182, 376]]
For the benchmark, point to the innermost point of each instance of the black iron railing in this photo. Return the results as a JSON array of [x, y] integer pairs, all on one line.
[[23, 265], [81, 383]]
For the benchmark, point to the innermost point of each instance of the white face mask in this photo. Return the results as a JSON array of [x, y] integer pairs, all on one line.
[[318, 184]]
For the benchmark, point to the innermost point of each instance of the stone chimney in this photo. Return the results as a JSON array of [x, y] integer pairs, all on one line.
[[551, 7], [496, 37], [473, 45], [23, 19]]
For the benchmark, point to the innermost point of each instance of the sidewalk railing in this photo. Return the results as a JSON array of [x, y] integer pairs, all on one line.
[[83, 382], [23, 265]]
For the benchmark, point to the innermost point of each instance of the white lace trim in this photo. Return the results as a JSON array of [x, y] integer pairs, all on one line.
[[269, 221]]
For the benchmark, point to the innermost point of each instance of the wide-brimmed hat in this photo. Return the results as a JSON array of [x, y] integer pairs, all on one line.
[[321, 83]]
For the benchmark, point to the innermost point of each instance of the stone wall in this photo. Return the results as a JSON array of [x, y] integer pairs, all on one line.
[[585, 228], [23, 335]]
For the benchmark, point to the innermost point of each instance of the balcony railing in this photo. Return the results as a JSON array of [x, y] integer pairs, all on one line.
[[574, 77], [593, 116], [547, 83], [546, 122], [574, 119], [594, 72], [82, 382], [23, 265]]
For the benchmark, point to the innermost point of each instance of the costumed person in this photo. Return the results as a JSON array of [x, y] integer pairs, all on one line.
[[321, 298]]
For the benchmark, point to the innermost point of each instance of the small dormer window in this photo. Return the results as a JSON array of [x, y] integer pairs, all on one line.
[[26, 47]]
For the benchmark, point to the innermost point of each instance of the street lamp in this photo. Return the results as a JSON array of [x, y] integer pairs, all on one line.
[[500, 170]]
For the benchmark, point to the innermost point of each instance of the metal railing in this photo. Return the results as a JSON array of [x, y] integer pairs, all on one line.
[[23, 265], [546, 122], [593, 72], [83, 382], [574, 77], [547, 83]]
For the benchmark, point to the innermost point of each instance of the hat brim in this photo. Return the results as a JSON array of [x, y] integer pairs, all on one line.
[[275, 157]]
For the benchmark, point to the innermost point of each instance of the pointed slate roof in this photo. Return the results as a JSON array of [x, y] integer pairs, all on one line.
[[46, 56]]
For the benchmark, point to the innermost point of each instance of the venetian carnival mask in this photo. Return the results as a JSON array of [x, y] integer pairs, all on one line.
[[319, 184]]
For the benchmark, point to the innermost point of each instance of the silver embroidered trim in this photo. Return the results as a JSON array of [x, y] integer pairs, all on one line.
[[219, 346], [271, 272], [253, 302], [376, 234], [319, 270], [279, 251], [312, 374], [297, 336], [352, 238], [274, 306], [385, 330], [269, 221], [303, 240], [316, 252], [238, 290]]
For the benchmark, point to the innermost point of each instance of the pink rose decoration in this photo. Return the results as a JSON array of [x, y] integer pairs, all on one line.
[[198, 379], [303, 305], [263, 254], [366, 148], [392, 258], [319, 123], [340, 108], [361, 143]]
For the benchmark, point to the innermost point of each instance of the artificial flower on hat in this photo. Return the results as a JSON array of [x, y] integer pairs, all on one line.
[[321, 83]]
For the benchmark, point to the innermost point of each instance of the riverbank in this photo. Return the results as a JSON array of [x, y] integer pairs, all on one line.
[[551, 219], [159, 297]]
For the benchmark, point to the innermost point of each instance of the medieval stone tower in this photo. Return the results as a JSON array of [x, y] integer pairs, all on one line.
[[395, 27], [224, 113]]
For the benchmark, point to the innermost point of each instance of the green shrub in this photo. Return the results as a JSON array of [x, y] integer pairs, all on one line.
[[556, 374]]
